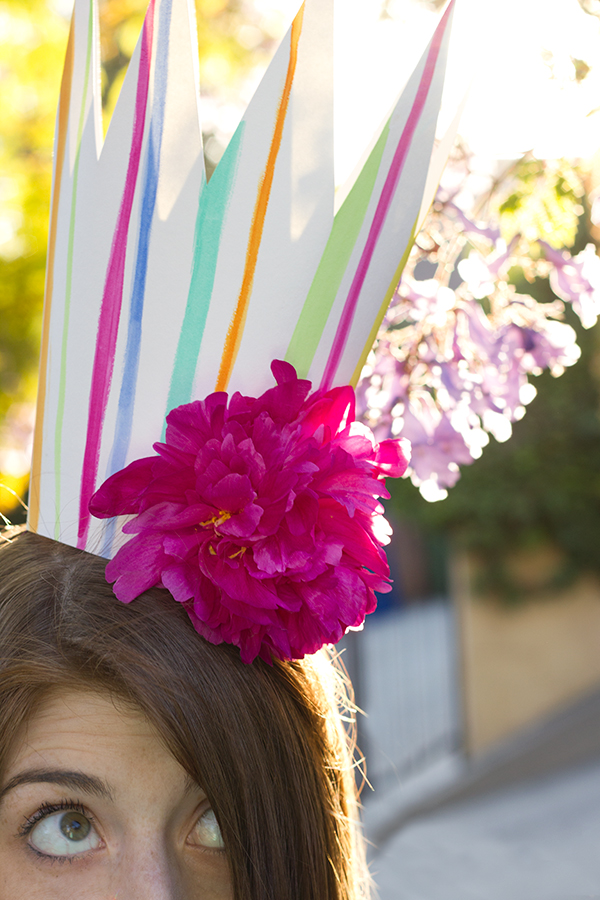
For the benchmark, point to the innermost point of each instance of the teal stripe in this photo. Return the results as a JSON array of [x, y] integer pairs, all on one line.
[[337, 254], [213, 205], [60, 412]]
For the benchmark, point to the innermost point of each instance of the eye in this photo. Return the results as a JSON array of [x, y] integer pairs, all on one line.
[[65, 833], [207, 833]]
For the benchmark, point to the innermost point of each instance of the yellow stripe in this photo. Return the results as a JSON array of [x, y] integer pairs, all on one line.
[[236, 326], [63, 121]]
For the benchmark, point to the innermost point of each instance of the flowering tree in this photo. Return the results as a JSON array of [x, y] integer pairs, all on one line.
[[458, 347]]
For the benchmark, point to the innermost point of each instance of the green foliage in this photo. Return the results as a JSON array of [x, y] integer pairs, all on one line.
[[32, 43], [31, 50], [543, 202]]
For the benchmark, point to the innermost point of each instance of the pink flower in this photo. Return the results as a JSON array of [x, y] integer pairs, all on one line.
[[260, 515]]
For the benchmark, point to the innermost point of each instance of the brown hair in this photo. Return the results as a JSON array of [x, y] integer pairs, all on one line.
[[264, 742]]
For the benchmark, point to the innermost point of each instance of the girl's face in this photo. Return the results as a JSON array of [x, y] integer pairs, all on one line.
[[93, 806]]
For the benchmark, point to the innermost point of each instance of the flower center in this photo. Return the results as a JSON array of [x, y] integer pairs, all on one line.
[[239, 552], [221, 517]]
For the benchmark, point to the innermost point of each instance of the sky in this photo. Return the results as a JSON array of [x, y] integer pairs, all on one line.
[[514, 56]]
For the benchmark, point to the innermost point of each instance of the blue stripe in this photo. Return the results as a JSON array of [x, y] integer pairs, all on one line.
[[127, 394]]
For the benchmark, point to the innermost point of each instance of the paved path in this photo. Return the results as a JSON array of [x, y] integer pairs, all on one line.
[[536, 841]]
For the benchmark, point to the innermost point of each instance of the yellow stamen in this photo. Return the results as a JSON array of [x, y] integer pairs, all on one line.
[[217, 520], [239, 552], [222, 517]]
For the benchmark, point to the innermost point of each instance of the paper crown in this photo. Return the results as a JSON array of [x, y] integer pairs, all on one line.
[[162, 287]]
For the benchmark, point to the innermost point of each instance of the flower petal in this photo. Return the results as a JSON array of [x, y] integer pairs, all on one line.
[[231, 493], [260, 516], [137, 566], [122, 490]]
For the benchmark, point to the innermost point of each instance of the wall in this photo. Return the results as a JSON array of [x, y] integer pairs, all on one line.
[[524, 662]]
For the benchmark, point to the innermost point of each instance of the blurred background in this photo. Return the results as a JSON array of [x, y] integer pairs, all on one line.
[[480, 672]]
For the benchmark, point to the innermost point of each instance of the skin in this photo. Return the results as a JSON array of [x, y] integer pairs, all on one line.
[[148, 839]]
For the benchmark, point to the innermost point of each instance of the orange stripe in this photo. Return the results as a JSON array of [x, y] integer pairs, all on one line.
[[236, 326], [63, 120]]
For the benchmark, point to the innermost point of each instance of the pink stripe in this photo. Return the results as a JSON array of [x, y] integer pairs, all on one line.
[[110, 311], [383, 206]]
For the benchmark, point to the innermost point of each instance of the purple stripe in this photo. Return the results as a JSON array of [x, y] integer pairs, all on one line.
[[110, 311], [383, 206]]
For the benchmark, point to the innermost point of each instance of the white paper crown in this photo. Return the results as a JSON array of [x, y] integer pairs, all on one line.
[[162, 288]]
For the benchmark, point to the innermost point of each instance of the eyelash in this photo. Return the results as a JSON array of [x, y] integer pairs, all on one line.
[[47, 809]]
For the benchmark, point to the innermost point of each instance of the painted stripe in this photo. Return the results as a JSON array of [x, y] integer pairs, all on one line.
[[62, 384], [383, 308], [213, 206], [236, 327], [61, 143], [127, 393], [110, 310], [334, 262], [383, 206]]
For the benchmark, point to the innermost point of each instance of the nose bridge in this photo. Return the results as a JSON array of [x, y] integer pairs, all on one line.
[[148, 871]]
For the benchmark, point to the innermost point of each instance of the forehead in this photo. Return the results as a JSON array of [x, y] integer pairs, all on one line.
[[86, 731], [79, 715]]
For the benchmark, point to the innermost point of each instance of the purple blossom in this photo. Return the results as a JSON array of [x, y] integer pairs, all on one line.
[[423, 299], [445, 372], [481, 273], [436, 454], [453, 359], [576, 280], [491, 232], [261, 516]]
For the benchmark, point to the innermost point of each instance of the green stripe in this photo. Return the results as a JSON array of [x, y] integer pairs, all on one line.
[[60, 412], [334, 262], [213, 205]]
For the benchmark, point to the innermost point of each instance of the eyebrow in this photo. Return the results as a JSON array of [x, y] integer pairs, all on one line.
[[77, 781]]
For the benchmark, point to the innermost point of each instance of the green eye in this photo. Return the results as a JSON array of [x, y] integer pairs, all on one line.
[[64, 834], [207, 832], [74, 826]]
